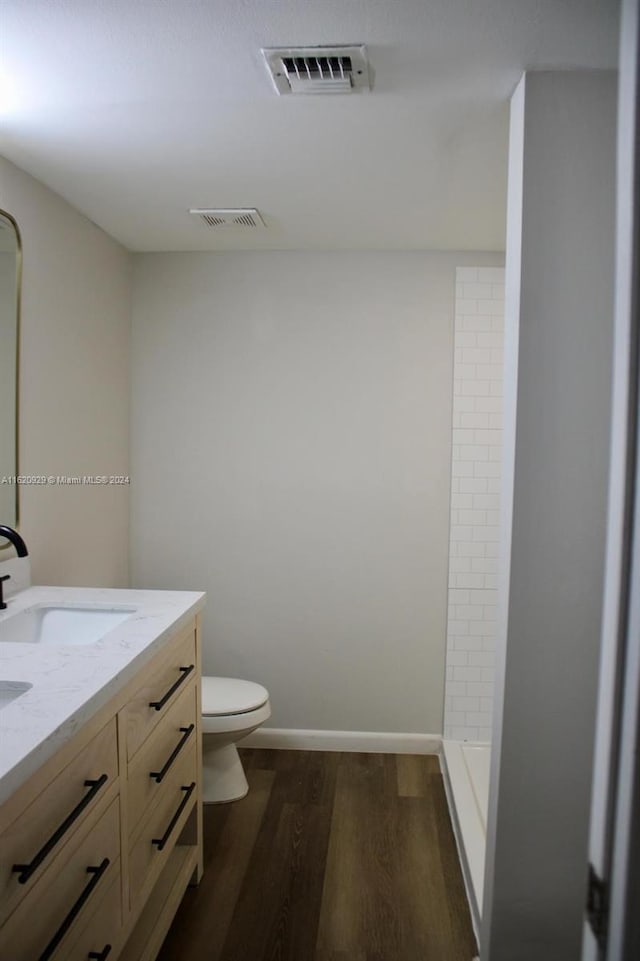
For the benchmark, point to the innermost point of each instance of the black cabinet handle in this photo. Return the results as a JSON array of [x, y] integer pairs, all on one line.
[[100, 955], [26, 870], [161, 842], [186, 671], [96, 873], [158, 776]]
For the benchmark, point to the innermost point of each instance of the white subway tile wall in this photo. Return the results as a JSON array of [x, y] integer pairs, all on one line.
[[475, 502]]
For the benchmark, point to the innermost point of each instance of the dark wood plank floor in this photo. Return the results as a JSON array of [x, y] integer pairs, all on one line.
[[330, 857]]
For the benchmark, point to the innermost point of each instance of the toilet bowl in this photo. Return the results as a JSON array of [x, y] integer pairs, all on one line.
[[231, 709]]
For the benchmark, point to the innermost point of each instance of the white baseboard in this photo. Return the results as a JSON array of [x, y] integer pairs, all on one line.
[[368, 742]]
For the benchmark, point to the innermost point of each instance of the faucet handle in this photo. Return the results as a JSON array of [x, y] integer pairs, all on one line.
[[5, 577]]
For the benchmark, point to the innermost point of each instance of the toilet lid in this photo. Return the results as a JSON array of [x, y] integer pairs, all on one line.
[[228, 695]]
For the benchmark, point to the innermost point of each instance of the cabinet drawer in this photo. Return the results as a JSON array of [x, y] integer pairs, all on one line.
[[43, 829], [153, 763], [57, 906], [164, 684], [158, 833]]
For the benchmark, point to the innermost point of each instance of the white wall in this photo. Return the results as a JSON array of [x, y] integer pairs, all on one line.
[[615, 812], [73, 386], [559, 322], [475, 500], [291, 439]]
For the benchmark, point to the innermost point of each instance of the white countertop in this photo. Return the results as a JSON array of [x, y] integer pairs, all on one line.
[[71, 683]]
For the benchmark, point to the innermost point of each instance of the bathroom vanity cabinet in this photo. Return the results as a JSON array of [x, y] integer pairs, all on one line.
[[107, 833]]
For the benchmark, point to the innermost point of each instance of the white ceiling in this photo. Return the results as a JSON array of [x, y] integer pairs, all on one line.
[[136, 110]]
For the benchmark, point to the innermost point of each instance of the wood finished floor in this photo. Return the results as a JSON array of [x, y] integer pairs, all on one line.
[[330, 857]]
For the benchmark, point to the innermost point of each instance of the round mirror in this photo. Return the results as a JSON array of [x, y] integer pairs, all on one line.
[[10, 269]]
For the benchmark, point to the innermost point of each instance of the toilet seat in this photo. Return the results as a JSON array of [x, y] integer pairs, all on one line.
[[225, 696], [245, 721]]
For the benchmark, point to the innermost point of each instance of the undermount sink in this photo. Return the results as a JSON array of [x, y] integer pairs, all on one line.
[[10, 690], [59, 626]]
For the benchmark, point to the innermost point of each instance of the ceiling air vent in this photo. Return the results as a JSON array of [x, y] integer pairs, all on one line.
[[318, 69], [223, 218]]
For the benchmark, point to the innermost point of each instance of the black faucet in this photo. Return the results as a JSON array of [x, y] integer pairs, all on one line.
[[21, 551], [3, 603], [16, 540]]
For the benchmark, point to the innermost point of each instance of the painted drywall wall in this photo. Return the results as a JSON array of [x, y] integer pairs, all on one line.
[[291, 439], [513, 273], [614, 836], [560, 298], [74, 396], [476, 464]]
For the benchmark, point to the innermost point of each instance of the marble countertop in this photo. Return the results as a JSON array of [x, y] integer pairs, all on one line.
[[71, 683]]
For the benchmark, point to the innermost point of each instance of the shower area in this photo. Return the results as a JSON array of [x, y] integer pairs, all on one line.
[[476, 469]]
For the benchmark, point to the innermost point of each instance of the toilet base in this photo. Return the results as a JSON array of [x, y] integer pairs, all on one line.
[[223, 777]]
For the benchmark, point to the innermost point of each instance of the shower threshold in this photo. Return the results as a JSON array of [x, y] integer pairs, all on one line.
[[466, 778]]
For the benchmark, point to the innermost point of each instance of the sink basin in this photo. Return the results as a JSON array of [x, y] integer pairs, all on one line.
[[62, 625], [10, 690]]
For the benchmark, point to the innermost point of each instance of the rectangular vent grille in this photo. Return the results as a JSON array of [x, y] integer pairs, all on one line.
[[318, 69], [224, 218]]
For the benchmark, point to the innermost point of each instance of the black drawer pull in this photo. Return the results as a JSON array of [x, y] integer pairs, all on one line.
[[186, 671], [100, 955], [158, 776], [26, 870], [161, 842], [75, 910]]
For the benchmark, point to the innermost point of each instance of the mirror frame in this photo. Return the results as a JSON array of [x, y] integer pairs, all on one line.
[[14, 224]]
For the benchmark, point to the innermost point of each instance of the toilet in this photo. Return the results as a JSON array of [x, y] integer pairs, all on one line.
[[231, 709]]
